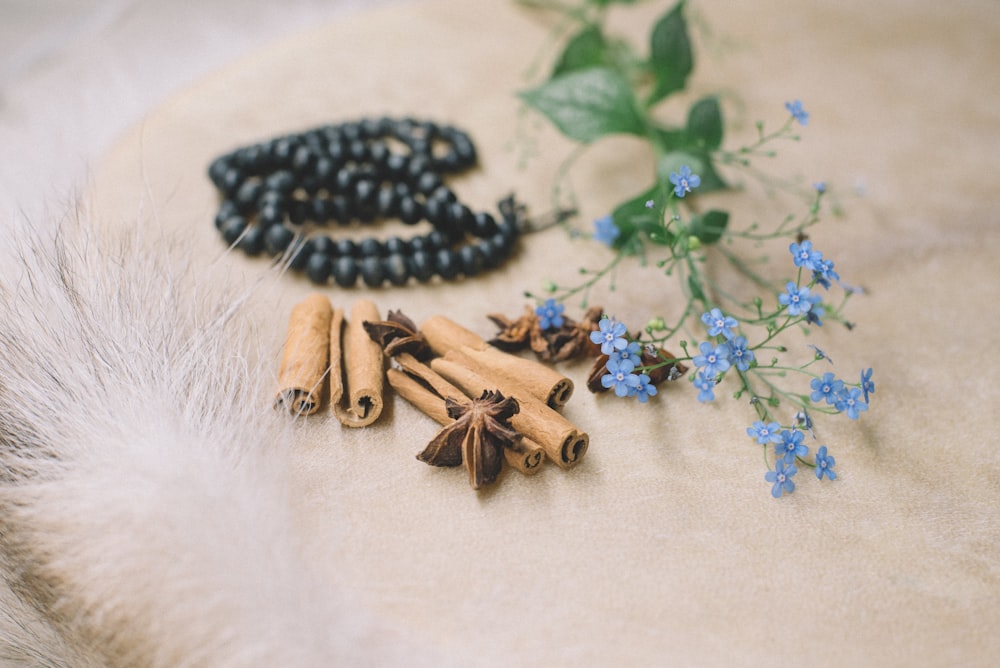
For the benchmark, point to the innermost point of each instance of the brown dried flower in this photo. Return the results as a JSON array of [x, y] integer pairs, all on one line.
[[560, 344], [398, 334], [477, 437], [650, 356]]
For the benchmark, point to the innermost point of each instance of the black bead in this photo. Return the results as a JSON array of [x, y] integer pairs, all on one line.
[[299, 255], [488, 252], [357, 151], [471, 260], [410, 211], [483, 225], [298, 212], [252, 242], [270, 215], [396, 165], [396, 269], [396, 245], [318, 268], [437, 240], [385, 203], [460, 218], [232, 228], [340, 209], [345, 271], [446, 263], [227, 209], [217, 170], [277, 238], [281, 181], [323, 244], [428, 182], [320, 210], [248, 193], [371, 247], [344, 181], [421, 265], [231, 181], [371, 271], [435, 212], [347, 248], [303, 160], [421, 244]]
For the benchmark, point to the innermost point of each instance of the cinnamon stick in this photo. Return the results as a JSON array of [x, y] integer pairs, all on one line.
[[527, 459], [562, 441], [541, 381], [305, 359], [356, 387]]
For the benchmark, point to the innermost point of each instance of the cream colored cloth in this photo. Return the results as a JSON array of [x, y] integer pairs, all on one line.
[[664, 546]]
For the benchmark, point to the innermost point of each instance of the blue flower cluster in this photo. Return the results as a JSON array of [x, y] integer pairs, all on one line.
[[550, 314], [623, 360], [844, 399], [715, 358]]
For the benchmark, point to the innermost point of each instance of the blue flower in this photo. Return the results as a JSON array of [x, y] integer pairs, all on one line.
[[738, 353], [796, 110], [715, 360], [620, 377], [704, 384], [867, 385], [649, 203], [550, 314], [606, 231], [781, 476], [630, 352], [791, 445], [644, 390], [820, 187], [826, 388], [765, 433], [814, 314], [849, 401], [825, 464], [798, 300], [803, 255], [718, 323], [610, 337], [823, 273], [685, 181]]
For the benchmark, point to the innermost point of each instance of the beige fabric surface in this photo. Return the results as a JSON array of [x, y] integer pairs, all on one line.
[[663, 546]]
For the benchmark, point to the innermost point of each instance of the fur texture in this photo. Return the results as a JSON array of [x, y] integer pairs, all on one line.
[[143, 510]]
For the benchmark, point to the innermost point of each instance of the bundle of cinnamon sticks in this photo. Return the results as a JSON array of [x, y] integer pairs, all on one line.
[[493, 406], [328, 356]]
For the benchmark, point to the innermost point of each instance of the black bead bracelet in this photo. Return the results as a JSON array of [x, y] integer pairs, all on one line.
[[359, 173]]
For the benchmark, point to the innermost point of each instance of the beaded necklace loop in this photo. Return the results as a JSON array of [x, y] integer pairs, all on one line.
[[361, 172]]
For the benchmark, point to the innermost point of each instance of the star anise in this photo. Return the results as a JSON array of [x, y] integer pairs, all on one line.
[[558, 344], [397, 334], [649, 356], [477, 437]]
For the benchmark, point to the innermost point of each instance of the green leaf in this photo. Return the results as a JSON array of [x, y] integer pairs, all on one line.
[[633, 217], [704, 124], [588, 104], [708, 227], [587, 48], [670, 56]]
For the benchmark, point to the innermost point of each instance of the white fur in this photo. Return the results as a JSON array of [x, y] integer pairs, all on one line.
[[143, 510]]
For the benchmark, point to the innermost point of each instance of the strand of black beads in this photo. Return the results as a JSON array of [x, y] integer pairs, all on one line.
[[357, 173]]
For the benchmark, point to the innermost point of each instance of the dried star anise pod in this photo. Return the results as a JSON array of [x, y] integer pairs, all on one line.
[[649, 356], [477, 437], [513, 334], [397, 334], [569, 341]]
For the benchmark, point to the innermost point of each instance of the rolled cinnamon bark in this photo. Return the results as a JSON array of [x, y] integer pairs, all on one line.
[[442, 334], [542, 382], [562, 442], [527, 459], [358, 385], [305, 359]]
